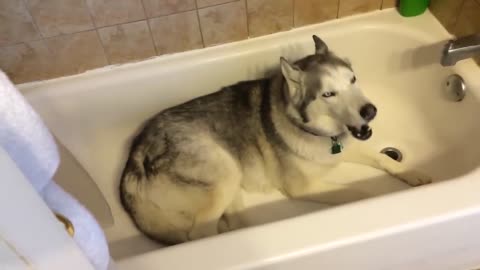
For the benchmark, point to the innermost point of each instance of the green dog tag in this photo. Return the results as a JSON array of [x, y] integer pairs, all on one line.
[[336, 146]]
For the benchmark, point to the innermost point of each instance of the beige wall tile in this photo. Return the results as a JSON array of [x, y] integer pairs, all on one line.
[[389, 3], [55, 17], [314, 11], [207, 3], [352, 7], [76, 53], [176, 33], [16, 25], [269, 16], [155, 8], [173, 26], [469, 19], [110, 12], [127, 42], [446, 11], [223, 23], [26, 61]]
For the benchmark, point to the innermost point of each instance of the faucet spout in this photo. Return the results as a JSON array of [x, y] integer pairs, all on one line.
[[461, 48]]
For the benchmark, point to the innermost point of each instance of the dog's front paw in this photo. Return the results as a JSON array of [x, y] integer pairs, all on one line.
[[414, 178]]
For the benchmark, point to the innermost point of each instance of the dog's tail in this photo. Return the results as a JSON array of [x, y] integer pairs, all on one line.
[[134, 174]]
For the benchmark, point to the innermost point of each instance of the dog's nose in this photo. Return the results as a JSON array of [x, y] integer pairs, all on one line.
[[368, 112]]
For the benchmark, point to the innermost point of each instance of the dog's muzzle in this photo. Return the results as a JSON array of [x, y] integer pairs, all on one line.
[[367, 112], [364, 133]]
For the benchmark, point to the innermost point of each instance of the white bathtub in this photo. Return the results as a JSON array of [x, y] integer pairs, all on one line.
[[397, 63]]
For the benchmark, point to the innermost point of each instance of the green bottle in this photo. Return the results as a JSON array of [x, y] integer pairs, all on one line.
[[410, 8]]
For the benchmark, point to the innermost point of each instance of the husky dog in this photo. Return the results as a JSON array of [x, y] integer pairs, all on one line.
[[188, 164]]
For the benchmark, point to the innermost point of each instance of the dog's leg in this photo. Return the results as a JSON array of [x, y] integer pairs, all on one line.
[[385, 163], [225, 177], [207, 220], [231, 219]]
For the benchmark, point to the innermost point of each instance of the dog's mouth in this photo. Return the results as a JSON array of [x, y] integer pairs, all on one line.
[[364, 133]]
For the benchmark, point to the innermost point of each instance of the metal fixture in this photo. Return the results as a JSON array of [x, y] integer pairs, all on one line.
[[460, 48], [393, 153], [455, 88]]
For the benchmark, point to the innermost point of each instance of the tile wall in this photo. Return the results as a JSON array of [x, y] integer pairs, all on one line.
[[460, 17], [42, 39]]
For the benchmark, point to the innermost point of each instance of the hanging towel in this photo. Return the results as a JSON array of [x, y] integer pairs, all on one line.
[[31, 146]]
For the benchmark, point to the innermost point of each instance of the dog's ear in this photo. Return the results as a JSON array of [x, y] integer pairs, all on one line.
[[320, 46], [292, 75]]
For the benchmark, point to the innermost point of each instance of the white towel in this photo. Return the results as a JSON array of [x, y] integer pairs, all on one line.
[[89, 238], [31, 146], [25, 138]]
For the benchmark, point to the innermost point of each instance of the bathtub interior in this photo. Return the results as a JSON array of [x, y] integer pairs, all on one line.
[[396, 61]]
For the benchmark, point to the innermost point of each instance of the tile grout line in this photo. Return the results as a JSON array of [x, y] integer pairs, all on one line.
[[294, 4], [25, 5], [119, 24], [197, 11], [69, 34], [169, 14], [149, 28], [103, 47], [9, 45], [215, 5], [246, 18], [42, 38], [96, 31], [338, 9]]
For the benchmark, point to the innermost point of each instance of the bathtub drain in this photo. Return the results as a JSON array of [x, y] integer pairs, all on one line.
[[393, 153]]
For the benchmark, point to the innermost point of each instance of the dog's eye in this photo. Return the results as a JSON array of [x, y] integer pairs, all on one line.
[[328, 94], [353, 80]]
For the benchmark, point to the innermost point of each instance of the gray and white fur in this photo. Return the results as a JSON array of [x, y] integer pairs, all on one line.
[[188, 164]]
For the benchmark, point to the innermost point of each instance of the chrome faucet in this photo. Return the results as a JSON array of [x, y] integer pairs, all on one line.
[[460, 48]]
